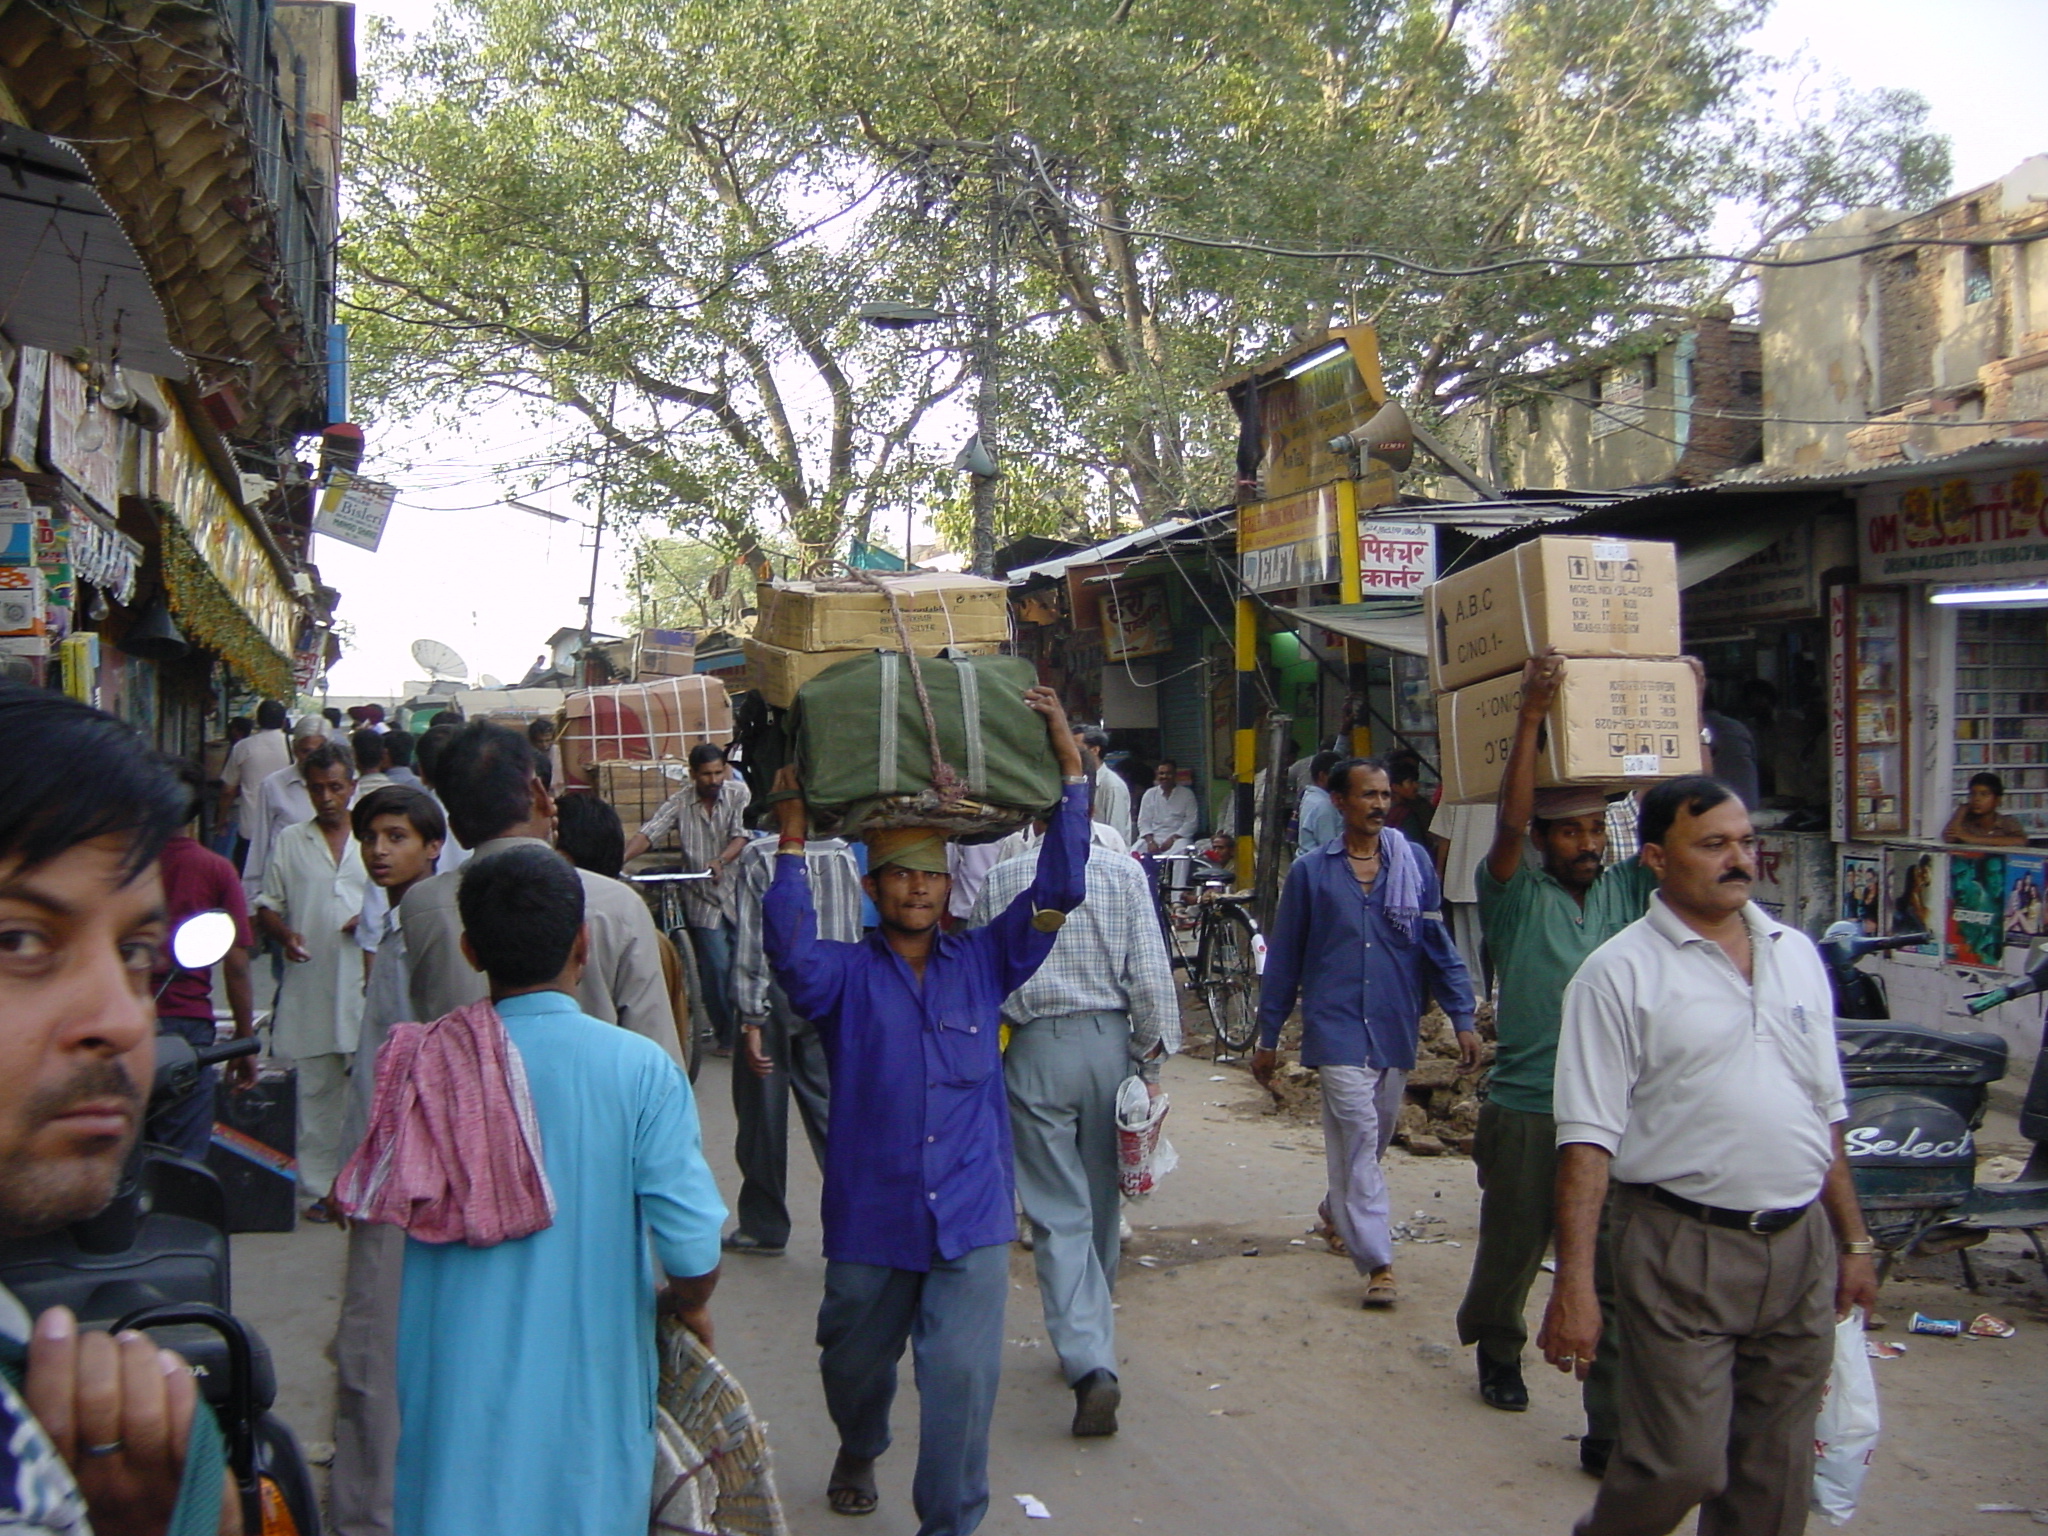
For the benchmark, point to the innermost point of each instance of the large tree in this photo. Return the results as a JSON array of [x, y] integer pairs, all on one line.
[[662, 216]]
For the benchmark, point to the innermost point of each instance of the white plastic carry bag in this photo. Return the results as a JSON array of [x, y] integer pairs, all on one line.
[[1144, 1155], [1845, 1434]]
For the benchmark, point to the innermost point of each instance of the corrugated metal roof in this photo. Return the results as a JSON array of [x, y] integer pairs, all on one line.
[[1124, 547]]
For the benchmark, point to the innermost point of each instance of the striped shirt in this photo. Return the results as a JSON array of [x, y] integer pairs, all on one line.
[[703, 831], [835, 891], [1110, 956]]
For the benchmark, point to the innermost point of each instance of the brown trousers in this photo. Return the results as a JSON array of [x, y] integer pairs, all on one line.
[[362, 1485], [1726, 1343]]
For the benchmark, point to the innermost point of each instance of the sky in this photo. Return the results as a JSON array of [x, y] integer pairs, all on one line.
[[458, 566]]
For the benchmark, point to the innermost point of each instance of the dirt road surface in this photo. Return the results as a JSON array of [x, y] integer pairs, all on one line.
[[1258, 1397]]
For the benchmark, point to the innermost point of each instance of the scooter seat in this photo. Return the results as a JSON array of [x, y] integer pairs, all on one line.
[[1892, 1053]]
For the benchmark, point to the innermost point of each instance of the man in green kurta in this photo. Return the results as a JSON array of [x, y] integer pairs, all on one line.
[[1541, 918]]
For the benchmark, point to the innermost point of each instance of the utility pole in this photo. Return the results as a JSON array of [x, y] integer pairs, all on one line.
[[983, 551], [597, 538]]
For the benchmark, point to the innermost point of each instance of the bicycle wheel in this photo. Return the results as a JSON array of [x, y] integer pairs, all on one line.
[[694, 1029], [1228, 977]]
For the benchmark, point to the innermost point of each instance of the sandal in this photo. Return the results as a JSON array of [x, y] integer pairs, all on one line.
[[1326, 1229], [325, 1214], [851, 1490], [1380, 1290]]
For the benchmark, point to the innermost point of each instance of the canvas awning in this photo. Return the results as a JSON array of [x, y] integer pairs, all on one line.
[[75, 284], [1374, 623]]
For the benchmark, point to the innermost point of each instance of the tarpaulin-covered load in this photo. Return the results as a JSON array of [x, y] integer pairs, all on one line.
[[866, 757], [641, 722]]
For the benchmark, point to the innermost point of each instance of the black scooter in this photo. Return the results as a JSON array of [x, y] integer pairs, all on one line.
[[156, 1258], [1917, 1097]]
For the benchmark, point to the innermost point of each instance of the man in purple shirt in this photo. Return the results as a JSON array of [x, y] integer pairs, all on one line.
[[918, 1210], [1360, 939]]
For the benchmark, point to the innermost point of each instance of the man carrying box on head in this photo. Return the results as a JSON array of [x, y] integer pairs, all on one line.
[[918, 1206]]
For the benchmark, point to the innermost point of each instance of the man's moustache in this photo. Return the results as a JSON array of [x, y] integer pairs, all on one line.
[[95, 1080], [1737, 877]]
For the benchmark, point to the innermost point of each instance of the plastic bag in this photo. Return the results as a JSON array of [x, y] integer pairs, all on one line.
[[1845, 1434], [1143, 1155]]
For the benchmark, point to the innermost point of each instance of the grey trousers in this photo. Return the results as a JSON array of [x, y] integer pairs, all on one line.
[[1063, 1074], [952, 1316], [1726, 1343], [362, 1484], [1359, 1106], [760, 1110]]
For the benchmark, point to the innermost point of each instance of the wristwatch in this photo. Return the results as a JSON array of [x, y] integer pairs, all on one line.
[[1862, 1247]]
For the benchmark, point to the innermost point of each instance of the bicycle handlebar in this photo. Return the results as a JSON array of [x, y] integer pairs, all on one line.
[[668, 877]]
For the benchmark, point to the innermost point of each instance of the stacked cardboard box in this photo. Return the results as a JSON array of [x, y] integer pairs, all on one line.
[[640, 722], [1627, 711], [637, 790], [806, 628]]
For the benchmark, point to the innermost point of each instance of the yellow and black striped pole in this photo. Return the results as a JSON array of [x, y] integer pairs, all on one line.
[[1245, 751]]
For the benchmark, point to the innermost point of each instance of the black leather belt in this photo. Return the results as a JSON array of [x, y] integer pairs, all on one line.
[[1763, 1223]]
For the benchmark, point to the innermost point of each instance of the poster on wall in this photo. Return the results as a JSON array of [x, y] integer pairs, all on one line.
[[1916, 897], [1862, 888], [1136, 621], [2025, 921], [1976, 908]]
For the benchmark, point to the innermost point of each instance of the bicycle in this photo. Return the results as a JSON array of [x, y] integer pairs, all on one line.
[[1212, 938], [662, 890]]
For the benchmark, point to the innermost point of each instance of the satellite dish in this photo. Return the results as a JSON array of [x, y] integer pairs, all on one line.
[[485, 680], [439, 660]]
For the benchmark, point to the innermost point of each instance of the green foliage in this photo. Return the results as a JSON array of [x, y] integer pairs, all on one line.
[[661, 216]]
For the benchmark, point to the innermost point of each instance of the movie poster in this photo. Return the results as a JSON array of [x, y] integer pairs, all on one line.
[[1916, 891], [1862, 890], [2024, 920], [1976, 909]]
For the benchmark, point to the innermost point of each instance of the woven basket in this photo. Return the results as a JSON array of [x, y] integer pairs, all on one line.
[[714, 1475]]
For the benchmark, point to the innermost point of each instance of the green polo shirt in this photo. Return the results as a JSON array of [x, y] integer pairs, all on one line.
[[1538, 936]]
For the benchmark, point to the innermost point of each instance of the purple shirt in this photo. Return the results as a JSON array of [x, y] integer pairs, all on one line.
[[917, 1158]]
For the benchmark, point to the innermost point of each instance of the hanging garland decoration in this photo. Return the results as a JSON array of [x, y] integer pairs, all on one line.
[[209, 615]]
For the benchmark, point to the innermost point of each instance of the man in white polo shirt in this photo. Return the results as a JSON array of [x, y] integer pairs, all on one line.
[[1697, 1068]]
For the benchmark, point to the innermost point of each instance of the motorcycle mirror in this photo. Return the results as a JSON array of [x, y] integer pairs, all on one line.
[[202, 939]]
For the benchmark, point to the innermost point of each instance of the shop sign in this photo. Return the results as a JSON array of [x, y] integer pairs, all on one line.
[[1136, 621], [103, 555], [354, 510], [1291, 542], [25, 426], [1779, 582], [1395, 559], [1987, 527], [221, 535], [96, 471]]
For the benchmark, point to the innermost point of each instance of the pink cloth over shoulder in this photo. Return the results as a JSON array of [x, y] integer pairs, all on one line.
[[453, 1149]]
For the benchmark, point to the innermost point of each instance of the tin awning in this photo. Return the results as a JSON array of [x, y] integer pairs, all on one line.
[[73, 283], [1390, 626]]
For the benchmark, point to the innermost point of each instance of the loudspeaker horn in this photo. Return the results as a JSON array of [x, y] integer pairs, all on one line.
[[1389, 438]]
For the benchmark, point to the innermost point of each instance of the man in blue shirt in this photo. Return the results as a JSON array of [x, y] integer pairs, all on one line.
[[1360, 939], [918, 1207]]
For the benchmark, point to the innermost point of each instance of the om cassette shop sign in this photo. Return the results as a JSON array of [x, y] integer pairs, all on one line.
[[1988, 527]]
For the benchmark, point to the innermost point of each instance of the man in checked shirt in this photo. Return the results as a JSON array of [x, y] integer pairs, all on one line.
[[1100, 1009]]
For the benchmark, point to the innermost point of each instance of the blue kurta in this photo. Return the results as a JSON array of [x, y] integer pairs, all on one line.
[[526, 1371]]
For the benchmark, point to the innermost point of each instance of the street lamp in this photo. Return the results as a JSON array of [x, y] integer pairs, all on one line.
[[978, 456]]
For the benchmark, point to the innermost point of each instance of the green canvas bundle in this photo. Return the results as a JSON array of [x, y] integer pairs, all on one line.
[[866, 760]]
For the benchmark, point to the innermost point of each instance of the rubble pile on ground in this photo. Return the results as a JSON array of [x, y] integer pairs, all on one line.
[[1440, 1112]]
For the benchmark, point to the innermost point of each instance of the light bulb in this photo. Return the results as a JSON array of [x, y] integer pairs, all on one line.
[[117, 394], [92, 432]]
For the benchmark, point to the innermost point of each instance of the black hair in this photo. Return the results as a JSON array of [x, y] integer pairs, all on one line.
[[329, 754], [522, 909], [415, 805], [534, 728], [72, 774], [239, 728], [706, 752], [1322, 763], [1990, 781], [270, 716], [448, 717], [1694, 794], [427, 751], [1166, 762], [1340, 776], [1402, 767], [1095, 737], [368, 747], [193, 777], [484, 776], [332, 715], [399, 745], [588, 833]]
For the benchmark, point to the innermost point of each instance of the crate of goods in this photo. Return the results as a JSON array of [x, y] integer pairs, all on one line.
[[855, 615], [641, 722], [637, 790], [778, 674], [866, 758], [1583, 596], [664, 653], [1615, 723]]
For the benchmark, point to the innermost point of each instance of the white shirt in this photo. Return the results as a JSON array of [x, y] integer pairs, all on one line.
[[1113, 801], [1171, 818], [281, 802], [252, 760], [1719, 1089], [1028, 837], [320, 1006]]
